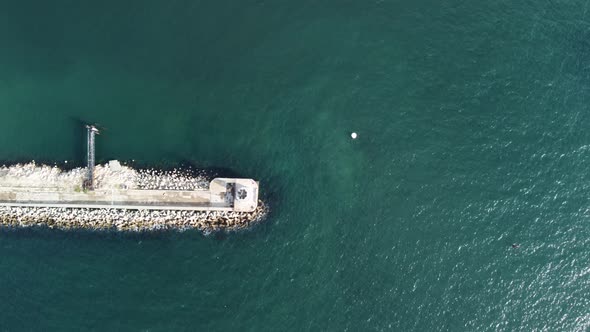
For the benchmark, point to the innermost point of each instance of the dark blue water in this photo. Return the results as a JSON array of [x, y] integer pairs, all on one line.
[[472, 122]]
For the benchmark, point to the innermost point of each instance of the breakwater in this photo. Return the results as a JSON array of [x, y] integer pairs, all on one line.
[[188, 201], [111, 175], [129, 220]]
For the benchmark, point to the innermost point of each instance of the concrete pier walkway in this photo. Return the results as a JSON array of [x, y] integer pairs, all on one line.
[[224, 194]]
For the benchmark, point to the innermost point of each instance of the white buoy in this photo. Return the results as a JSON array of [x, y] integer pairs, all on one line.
[[353, 135]]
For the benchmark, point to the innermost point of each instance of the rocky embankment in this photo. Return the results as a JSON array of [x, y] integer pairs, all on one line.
[[112, 175], [129, 220]]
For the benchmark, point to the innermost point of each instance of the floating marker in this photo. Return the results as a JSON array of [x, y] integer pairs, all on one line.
[[353, 135]]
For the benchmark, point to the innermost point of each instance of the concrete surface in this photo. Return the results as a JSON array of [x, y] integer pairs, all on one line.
[[221, 196]]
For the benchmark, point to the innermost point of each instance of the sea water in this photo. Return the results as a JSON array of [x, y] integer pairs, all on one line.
[[472, 132]]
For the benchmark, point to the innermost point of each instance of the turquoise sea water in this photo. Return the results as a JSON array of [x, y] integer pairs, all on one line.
[[473, 134]]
